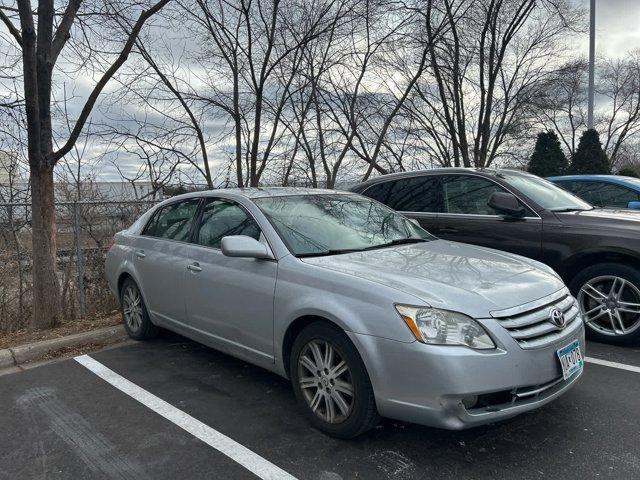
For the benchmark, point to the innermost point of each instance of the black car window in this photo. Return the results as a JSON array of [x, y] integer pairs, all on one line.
[[573, 187], [417, 194], [587, 191], [467, 194], [568, 185], [221, 218], [604, 194], [173, 221], [149, 228]]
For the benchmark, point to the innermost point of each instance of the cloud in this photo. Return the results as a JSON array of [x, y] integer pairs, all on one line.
[[617, 27]]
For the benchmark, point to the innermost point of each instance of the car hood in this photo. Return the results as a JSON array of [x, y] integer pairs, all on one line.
[[621, 219], [450, 275]]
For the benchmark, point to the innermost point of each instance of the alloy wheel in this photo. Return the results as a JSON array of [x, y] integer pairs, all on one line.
[[610, 305], [132, 308], [325, 381]]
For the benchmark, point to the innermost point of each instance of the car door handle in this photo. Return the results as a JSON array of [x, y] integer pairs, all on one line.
[[194, 267], [448, 230], [140, 254]]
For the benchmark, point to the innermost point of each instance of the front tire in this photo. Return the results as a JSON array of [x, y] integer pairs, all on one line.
[[331, 383], [609, 299], [134, 312]]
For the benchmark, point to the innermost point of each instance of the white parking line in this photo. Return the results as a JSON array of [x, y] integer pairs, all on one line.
[[607, 363], [232, 449]]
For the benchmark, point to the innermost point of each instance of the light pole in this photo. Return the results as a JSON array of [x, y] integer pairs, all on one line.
[[592, 53]]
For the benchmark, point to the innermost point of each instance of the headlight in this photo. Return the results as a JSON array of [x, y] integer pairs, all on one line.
[[442, 327]]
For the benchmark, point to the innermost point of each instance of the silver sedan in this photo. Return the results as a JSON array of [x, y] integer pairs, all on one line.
[[364, 311]]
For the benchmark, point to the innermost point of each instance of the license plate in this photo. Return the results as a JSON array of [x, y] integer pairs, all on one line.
[[571, 359]]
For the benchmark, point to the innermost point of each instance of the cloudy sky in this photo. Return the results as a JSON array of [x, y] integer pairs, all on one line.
[[617, 26], [617, 32]]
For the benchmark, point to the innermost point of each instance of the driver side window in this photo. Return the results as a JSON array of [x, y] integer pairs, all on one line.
[[469, 195], [465, 194], [604, 195]]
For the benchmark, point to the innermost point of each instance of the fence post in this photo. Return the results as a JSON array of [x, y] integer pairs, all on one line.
[[79, 259]]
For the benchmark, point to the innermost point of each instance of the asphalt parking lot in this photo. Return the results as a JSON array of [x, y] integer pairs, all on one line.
[[63, 420]]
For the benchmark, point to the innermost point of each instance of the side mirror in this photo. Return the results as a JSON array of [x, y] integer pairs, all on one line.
[[506, 203], [243, 246], [634, 205]]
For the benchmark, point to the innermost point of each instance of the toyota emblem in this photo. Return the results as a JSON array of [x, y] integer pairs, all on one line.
[[557, 318]]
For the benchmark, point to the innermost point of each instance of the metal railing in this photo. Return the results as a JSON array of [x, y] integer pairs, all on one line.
[[83, 232]]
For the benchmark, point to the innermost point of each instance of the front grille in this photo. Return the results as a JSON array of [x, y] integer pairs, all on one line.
[[530, 324]]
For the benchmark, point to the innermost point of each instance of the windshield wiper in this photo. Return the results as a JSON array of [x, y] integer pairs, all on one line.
[[397, 241], [329, 252]]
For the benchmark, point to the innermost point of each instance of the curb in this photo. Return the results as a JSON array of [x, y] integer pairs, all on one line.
[[29, 352], [6, 358]]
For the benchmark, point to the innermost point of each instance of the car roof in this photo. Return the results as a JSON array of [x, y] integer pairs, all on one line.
[[260, 192], [614, 179], [488, 172]]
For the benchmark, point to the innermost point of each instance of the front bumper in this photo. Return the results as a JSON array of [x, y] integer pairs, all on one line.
[[427, 384]]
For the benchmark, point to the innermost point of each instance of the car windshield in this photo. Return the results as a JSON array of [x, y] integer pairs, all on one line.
[[327, 224], [545, 193]]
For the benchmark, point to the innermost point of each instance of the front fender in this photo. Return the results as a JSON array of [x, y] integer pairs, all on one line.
[[598, 254], [353, 304]]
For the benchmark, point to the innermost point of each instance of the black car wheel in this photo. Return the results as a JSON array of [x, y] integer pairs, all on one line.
[[609, 299], [134, 312], [331, 382]]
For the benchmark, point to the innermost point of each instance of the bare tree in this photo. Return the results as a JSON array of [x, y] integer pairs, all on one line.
[[560, 102], [354, 84], [325, 113], [619, 83], [42, 38], [257, 48], [484, 72]]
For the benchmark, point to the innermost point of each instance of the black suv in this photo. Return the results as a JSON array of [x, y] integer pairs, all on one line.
[[596, 251]]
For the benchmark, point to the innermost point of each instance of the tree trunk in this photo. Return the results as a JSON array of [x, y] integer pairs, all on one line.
[[237, 118], [254, 176], [46, 291]]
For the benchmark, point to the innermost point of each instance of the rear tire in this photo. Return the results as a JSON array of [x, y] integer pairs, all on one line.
[[331, 383], [609, 299], [134, 312]]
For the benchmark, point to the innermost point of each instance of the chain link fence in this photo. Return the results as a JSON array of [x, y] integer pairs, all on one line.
[[84, 234]]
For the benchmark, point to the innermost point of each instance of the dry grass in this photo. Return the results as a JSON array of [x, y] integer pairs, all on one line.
[[73, 351], [20, 337]]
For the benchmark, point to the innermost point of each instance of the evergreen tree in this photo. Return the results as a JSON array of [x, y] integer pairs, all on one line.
[[589, 157], [548, 159]]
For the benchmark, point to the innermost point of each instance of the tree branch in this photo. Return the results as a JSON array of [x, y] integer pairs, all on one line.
[[62, 33], [12, 28], [124, 54]]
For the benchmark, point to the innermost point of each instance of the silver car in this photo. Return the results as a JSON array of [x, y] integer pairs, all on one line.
[[365, 312]]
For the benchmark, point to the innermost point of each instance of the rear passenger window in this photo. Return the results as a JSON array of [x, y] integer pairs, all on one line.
[[417, 194], [173, 221], [221, 218]]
